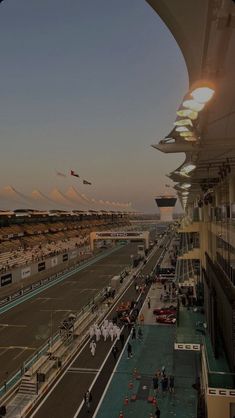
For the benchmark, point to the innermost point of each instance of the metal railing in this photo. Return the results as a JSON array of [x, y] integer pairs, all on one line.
[[40, 284], [217, 379], [16, 376], [12, 380], [184, 270]]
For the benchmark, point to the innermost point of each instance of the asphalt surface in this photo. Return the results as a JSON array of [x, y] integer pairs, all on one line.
[[29, 325], [65, 400]]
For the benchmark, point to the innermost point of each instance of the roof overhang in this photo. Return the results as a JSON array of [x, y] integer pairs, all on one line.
[[205, 33]]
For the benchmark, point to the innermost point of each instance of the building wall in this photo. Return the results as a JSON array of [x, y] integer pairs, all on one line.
[[219, 407], [166, 214]]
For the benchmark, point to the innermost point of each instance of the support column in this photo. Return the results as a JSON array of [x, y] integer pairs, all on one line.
[[206, 209], [232, 195], [218, 196]]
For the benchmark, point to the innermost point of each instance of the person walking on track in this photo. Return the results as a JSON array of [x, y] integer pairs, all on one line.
[[87, 400], [129, 350], [93, 347]]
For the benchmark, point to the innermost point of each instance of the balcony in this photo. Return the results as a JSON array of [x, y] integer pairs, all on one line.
[[192, 332], [188, 329], [219, 375], [185, 273], [225, 230], [190, 253], [188, 227]]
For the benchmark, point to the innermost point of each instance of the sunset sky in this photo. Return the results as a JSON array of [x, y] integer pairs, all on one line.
[[88, 85]]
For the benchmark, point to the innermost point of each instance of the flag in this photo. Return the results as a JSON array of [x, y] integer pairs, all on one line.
[[86, 182], [58, 173], [72, 173]]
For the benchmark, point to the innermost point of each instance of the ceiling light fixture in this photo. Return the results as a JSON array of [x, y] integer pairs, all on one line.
[[181, 129], [190, 138], [183, 122], [167, 141], [187, 168], [187, 113], [185, 186], [188, 133], [202, 94], [193, 105]]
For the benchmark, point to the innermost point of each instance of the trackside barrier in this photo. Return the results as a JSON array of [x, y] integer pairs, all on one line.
[[82, 334], [52, 362], [53, 365], [31, 290], [28, 364], [46, 364], [84, 319]]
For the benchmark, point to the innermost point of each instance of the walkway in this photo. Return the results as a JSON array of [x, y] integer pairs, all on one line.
[[156, 350]]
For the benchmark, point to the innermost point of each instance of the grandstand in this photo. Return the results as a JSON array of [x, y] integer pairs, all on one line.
[[30, 236]]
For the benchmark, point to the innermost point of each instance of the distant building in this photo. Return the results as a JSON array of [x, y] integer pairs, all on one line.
[[166, 206]]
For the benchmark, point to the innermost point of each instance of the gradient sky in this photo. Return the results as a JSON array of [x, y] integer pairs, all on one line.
[[88, 85]]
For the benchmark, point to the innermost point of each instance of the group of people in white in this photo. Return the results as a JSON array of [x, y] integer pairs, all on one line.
[[107, 330]]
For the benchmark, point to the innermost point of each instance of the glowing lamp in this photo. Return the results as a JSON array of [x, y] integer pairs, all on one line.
[[190, 138], [183, 122], [193, 105], [183, 174], [185, 185], [187, 113], [181, 129], [186, 134], [202, 94], [187, 168]]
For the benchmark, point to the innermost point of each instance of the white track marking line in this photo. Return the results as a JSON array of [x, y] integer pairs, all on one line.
[[4, 351], [81, 372], [13, 325], [83, 369], [81, 350], [71, 362], [102, 365], [20, 354], [96, 377], [113, 372], [110, 379]]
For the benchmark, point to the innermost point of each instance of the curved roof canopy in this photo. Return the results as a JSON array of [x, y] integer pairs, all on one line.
[[205, 33]]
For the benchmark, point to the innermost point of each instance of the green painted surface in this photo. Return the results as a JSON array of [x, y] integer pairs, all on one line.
[[219, 375], [150, 355], [189, 331], [189, 327]]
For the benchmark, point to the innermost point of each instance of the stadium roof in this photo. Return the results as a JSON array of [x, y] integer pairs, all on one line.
[[70, 200], [205, 33]]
